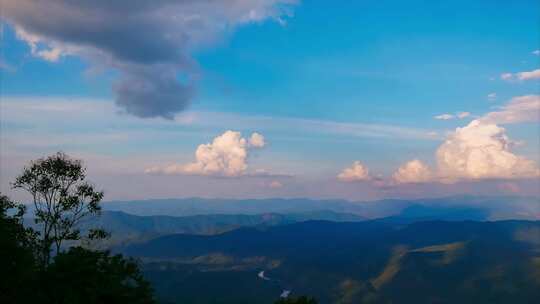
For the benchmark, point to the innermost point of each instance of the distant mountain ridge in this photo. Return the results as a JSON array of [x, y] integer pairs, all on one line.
[[126, 227], [141, 220], [491, 208]]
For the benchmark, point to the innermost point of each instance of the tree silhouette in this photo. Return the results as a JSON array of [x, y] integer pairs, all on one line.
[[28, 274], [61, 197], [17, 261], [88, 277]]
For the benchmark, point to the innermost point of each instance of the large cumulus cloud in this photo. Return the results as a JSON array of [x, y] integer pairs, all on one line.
[[356, 172], [481, 149], [413, 171], [225, 156], [147, 42]]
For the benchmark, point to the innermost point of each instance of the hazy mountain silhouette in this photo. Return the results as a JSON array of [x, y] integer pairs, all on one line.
[[493, 208]]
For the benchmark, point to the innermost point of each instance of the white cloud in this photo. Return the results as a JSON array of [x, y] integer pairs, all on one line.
[[452, 116], [275, 185], [444, 117], [492, 96], [225, 156], [49, 114], [528, 75], [481, 150], [463, 114], [50, 53], [507, 76], [519, 109], [357, 172], [256, 140], [413, 171], [536, 52]]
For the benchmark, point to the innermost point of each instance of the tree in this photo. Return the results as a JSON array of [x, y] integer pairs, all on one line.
[[61, 197], [82, 276], [17, 261], [78, 276]]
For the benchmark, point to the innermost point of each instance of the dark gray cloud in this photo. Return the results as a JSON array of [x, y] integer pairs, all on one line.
[[152, 92], [148, 42]]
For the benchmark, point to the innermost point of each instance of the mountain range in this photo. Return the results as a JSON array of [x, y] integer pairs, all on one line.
[[490, 208], [349, 262], [125, 228], [445, 250]]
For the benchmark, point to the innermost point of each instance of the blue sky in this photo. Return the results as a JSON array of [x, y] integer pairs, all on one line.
[[326, 85]]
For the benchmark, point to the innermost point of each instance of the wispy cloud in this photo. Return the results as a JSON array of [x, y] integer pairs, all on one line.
[[447, 116], [517, 110], [521, 76], [463, 114], [444, 117], [507, 76], [95, 115]]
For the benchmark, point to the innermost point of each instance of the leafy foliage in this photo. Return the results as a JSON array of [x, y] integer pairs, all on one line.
[[77, 276], [17, 262], [87, 276], [61, 197]]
